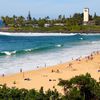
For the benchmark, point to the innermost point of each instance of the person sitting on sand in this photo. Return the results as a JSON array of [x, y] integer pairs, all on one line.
[[52, 70], [57, 71], [70, 65]]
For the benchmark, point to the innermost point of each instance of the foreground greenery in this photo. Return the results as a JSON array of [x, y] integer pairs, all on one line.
[[24, 94], [81, 87], [61, 24]]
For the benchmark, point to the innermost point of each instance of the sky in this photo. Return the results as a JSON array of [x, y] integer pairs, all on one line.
[[52, 8]]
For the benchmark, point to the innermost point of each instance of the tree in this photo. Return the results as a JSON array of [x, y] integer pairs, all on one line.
[[95, 15], [29, 16], [41, 22], [60, 17], [78, 18], [83, 87], [32, 95], [97, 20], [23, 93], [47, 17], [20, 21]]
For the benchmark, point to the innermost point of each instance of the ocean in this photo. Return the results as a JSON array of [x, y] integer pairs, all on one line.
[[36, 51]]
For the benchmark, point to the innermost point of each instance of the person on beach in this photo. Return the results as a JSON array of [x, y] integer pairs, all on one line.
[[57, 71], [3, 75], [37, 66], [72, 59], [45, 65], [70, 65], [21, 70]]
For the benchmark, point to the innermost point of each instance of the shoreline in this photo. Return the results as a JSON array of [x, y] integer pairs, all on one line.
[[43, 34], [81, 32], [48, 77]]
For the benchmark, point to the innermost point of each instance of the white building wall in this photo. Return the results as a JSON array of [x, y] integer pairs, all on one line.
[[86, 14]]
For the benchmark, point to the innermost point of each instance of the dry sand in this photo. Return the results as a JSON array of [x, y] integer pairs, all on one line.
[[49, 77]]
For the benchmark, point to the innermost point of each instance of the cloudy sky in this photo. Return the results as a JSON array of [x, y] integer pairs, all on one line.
[[42, 8]]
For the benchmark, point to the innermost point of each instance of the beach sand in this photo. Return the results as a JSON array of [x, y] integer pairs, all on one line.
[[49, 77]]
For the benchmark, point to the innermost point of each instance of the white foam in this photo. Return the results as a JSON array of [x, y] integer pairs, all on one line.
[[95, 42], [36, 34], [28, 49], [81, 38], [90, 34], [4, 33], [59, 45], [9, 53]]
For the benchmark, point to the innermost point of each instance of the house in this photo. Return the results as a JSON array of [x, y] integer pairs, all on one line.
[[58, 24], [47, 25]]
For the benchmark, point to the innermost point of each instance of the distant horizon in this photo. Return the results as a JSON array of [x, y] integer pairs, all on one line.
[[51, 8]]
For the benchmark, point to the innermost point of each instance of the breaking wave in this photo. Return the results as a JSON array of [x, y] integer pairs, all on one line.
[[9, 53]]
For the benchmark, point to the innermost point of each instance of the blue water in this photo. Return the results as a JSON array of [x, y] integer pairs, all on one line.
[[37, 43], [28, 52]]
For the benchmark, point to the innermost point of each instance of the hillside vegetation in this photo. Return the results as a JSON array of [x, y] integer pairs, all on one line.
[[61, 24]]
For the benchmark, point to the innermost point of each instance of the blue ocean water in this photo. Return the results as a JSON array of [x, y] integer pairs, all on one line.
[[30, 52]]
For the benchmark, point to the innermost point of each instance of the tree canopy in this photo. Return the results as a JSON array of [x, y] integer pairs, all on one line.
[[82, 87]]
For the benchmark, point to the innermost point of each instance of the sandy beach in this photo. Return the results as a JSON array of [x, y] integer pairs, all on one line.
[[48, 77]]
